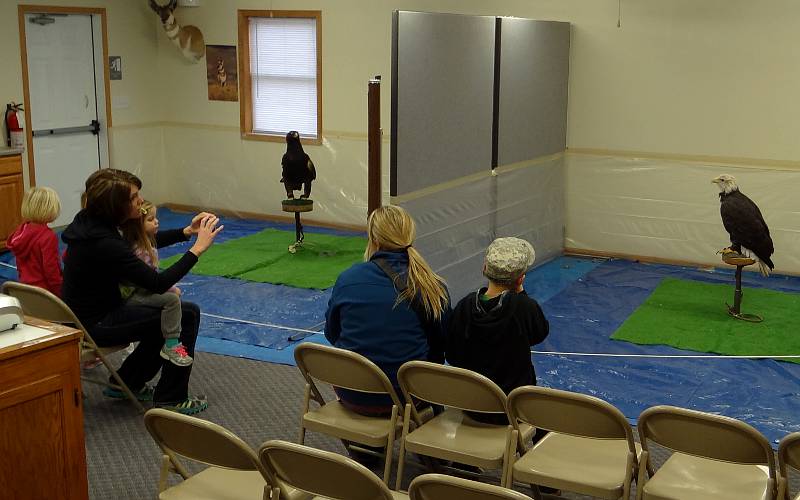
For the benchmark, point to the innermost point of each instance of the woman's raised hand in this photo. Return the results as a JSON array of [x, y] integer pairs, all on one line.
[[194, 226], [207, 230]]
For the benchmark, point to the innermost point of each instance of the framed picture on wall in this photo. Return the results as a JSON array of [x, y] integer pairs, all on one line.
[[222, 73]]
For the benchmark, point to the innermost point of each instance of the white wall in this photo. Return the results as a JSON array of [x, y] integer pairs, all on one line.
[[135, 139], [710, 80], [684, 91], [207, 162]]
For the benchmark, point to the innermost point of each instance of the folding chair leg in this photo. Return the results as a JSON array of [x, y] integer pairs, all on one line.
[[122, 385], [402, 455], [165, 466], [644, 467], [508, 459], [626, 488], [125, 389], [119, 384], [306, 395], [390, 446]]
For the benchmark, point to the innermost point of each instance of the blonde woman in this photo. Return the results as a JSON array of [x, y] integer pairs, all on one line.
[[34, 244], [392, 308]]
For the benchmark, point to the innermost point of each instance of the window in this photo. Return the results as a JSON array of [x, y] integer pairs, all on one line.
[[281, 68]]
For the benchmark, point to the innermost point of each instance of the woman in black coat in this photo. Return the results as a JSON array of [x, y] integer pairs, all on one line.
[[98, 259]]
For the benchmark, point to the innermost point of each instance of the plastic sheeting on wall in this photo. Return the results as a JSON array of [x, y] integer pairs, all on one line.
[[213, 168], [455, 225], [670, 209]]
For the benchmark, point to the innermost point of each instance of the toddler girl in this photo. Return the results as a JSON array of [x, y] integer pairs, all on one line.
[[35, 245], [141, 234]]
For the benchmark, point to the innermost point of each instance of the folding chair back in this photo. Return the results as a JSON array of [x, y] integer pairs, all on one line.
[[321, 473], [449, 435], [342, 368], [42, 304], [441, 487], [234, 473], [350, 370], [718, 457], [590, 447], [788, 456], [569, 413], [450, 386], [199, 440], [704, 435]]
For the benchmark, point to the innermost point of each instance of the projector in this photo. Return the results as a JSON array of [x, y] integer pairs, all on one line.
[[10, 312]]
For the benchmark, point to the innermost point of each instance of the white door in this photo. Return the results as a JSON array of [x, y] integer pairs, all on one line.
[[66, 97]]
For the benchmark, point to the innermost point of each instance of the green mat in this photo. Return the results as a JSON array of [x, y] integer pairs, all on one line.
[[265, 257], [692, 315]]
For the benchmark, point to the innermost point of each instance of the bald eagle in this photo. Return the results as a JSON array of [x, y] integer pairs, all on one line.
[[298, 169], [743, 221]]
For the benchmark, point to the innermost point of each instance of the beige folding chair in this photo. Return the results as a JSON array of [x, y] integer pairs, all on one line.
[[714, 457], [452, 435], [788, 456], [441, 487], [589, 449], [322, 473], [42, 304], [235, 471], [349, 370]]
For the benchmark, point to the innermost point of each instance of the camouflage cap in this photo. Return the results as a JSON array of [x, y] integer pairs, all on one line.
[[507, 259]]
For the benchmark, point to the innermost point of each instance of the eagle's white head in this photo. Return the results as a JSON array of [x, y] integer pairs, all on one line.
[[726, 183]]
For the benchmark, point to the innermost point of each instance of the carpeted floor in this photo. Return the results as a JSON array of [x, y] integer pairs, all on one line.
[[255, 400]]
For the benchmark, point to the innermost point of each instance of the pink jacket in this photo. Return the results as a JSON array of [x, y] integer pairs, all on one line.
[[35, 247]]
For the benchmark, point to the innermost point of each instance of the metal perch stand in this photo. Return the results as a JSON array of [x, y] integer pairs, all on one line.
[[297, 206], [735, 311]]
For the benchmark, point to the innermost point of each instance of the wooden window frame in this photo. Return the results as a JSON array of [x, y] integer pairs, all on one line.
[[245, 77]]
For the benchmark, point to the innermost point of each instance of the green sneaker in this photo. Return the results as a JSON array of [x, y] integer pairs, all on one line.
[[144, 394], [189, 406]]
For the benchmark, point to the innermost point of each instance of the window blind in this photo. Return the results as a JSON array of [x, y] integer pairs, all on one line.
[[283, 68]]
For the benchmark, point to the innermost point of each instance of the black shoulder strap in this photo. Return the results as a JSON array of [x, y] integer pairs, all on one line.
[[400, 285]]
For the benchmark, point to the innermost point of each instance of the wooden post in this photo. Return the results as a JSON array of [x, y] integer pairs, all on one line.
[[374, 144]]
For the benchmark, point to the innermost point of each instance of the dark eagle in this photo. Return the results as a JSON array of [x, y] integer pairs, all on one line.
[[743, 221], [298, 169]]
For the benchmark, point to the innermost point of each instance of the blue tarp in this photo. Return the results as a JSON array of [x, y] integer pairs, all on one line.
[[585, 314]]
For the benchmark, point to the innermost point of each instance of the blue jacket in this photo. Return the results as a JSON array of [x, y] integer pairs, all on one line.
[[362, 317]]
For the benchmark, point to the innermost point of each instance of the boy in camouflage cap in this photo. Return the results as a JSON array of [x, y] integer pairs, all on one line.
[[507, 259], [492, 330]]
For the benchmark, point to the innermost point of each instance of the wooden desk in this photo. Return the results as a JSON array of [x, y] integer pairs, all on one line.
[[42, 448]]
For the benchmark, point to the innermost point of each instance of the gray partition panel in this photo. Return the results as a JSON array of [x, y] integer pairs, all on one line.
[[534, 74], [455, 225], [442, 88]]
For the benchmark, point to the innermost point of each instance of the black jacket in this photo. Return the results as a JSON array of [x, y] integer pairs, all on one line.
[[98, 259], [494, 337]]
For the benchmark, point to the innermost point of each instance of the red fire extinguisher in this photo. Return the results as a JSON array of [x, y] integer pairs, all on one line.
[[15, 121]]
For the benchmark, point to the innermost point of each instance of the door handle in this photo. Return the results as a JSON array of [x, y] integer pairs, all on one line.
[[85, 101], [93, 127]]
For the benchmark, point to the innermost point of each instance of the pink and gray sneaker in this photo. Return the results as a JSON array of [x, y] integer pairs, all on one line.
[[177, 355]]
